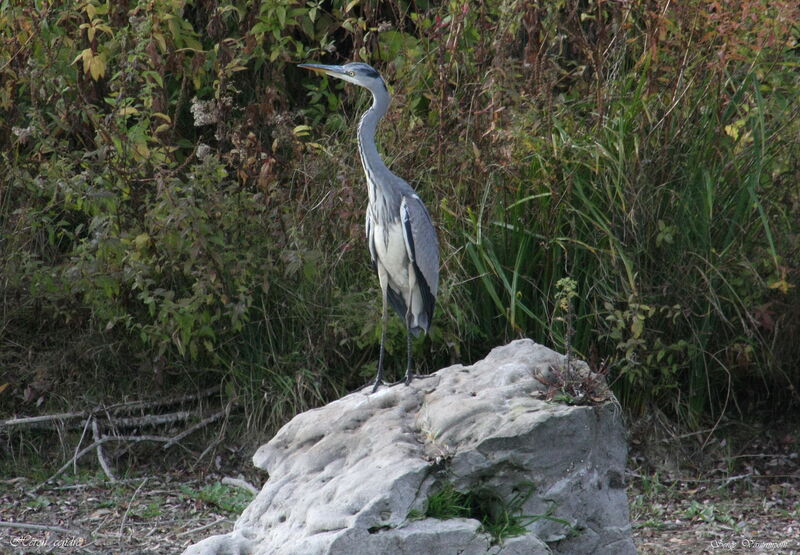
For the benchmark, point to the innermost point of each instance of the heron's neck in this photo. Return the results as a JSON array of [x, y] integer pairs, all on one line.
[[371, 160]]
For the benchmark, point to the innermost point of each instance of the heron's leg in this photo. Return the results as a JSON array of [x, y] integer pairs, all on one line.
[[410, 359], [384, 320]]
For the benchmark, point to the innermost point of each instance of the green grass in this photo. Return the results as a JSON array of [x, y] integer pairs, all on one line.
[[499, 517], [655, 225], [229, 499]]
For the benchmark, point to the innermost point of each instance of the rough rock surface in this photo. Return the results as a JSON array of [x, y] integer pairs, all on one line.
[[343, 478]]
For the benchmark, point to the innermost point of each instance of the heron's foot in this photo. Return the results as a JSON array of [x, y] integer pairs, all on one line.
[[375, 383]]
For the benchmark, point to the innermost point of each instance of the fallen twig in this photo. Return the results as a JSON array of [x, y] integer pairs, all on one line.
[[65, 418], [206, 451], [125, 516], [727, 479], [38, 527], [137, 405], [93, 484], [46, 418], [100, 455], [201, 528], [151, 419], [94, 445], [203, 423]]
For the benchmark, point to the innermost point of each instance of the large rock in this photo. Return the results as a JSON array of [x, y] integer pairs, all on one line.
[[343, 478]]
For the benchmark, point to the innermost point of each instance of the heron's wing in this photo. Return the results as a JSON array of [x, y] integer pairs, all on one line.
[[422, 248], [371, 243]]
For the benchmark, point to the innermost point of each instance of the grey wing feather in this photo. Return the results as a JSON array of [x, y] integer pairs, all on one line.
[[371, 243], [423, 248]]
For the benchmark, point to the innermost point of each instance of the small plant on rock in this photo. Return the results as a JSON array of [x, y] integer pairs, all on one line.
[[501, 518]]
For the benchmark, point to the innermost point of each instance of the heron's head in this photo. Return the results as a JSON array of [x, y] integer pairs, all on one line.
[[358, 73]]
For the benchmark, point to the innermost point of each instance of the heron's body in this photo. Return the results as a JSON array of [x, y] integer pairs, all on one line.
[[401, 238]]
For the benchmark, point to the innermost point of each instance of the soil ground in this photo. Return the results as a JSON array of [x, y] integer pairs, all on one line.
[[687, 494]]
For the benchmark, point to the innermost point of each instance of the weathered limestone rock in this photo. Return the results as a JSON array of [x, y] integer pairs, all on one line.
[[344, 477]]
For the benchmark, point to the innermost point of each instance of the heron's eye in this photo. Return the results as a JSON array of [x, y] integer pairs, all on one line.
[[351, 73]]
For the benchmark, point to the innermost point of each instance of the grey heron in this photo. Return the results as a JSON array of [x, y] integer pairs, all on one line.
[[400, 235]]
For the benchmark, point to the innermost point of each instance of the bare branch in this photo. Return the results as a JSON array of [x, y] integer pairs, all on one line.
[[204, 527], [51, 420], [44, 419], [151, 419], [100, 456], [202, 424], [139, 405], [125, 516], [39, 527], [94, 445]]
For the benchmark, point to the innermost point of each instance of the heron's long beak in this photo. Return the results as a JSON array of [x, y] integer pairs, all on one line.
[[334, 71]]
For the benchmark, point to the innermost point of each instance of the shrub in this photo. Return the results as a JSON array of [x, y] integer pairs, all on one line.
[[181, 203]]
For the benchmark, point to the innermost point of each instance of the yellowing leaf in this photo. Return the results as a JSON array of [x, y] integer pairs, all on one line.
[[301, 130], [732, 131], [162, 43], [142, 150], [82, 56], [637, 327], [105, 29], [782, 285], [97, 67], [87, 60], [141, 241], [127, 111]]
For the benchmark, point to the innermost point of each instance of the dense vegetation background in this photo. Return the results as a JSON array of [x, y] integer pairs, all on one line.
[[181, 206]]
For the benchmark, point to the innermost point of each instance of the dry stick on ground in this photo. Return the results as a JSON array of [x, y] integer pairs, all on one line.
[[99, 441], [38, 527], [80, 440], [206, 451], [102, 440], [51, 420], [203, 423], [130, 406], [151, 419], [92, 484], [130, 503], [201, 528], [100, 456]]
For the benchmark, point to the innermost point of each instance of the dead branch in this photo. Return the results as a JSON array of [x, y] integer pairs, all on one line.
[[44, 419], [204, 527], [66, 418], [206, 451], [101, 441], [106, 423], [202, 424], [38, 527], [130, 503], [151, 419], [100, 455], [141, 405], [92, 484]]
